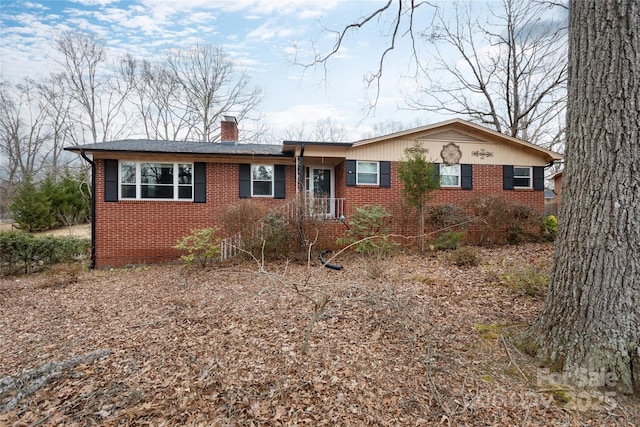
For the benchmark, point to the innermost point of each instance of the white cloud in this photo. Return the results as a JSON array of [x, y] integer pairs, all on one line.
[[94, 2], [303, 9], [269, 30], [31, 5]]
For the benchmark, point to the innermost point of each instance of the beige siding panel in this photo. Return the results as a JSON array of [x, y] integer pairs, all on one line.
[[474, 151], [451, 136]]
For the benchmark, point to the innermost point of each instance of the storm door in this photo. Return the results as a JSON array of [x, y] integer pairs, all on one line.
[[321, 191]]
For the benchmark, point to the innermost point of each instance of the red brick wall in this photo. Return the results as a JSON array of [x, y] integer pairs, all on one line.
[[141, 231], [138, 232], [487, 179]]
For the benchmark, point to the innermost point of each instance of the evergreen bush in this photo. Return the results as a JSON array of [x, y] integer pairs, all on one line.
[[24, 253], [31, 208]]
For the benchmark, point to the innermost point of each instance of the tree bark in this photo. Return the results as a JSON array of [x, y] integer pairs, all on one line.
[[590, 323]]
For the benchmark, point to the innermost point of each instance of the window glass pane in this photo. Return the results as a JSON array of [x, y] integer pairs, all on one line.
[[367, 167], [128, 173], [367, 178], [449, 169], [128, 191], [156, 173], [449, 181], [157, 191], [450, 175], [184, 192], [262, 173], [185, 173], [262, 188], [522, 177], [367, 173]]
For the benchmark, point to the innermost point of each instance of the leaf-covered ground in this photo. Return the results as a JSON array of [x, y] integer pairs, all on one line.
[[411, 340]]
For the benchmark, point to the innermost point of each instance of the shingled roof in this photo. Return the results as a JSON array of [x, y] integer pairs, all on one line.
[[181, 147]]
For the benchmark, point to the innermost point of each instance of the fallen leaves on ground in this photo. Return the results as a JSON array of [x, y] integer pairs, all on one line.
[[408, 340]]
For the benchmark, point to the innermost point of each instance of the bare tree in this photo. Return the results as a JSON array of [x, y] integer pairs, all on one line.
[[99, 91], [55, 100], [590, 323], [211, 87], [325, 130], [330, 131], [398, 18], [23, 136], [508, 72], [157, 98], [23, 133], [389, 127]]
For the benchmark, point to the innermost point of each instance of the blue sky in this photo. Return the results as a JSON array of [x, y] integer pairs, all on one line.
[[264, 37]]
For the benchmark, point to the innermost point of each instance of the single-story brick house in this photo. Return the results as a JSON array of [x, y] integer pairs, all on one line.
[[148, 194]]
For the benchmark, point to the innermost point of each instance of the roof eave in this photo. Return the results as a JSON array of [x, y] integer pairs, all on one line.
[[181, 153]]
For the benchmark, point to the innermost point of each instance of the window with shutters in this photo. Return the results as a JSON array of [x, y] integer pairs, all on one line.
[[156, 180]]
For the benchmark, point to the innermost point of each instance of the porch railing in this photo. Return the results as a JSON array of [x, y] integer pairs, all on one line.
[[230, 246], [314, 207], [302, 206]]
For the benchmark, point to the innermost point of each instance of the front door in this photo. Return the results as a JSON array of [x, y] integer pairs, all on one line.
[[320, 187]]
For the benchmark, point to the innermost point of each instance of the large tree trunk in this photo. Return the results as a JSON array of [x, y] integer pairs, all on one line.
[[590, 323]]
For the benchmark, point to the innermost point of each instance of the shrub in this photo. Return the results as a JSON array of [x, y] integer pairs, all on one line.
[[370, 223], [465, 256], [242, 217], [201, 246], [22, 252], [444, 216], [447, 240], [502, 221], [274, 237], [549, 227]]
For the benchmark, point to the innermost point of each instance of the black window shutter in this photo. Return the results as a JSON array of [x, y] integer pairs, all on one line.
[[351, 173], [279, 190], [538, 178], [466, 177], [385, 174], [110, 180], [436, 173], [199, 182], [507, 177], [245, 181]]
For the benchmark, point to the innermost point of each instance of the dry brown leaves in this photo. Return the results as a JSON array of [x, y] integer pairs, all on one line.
[[395, 342]]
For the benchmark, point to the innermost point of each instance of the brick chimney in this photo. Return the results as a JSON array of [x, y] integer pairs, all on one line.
[[229, 130]]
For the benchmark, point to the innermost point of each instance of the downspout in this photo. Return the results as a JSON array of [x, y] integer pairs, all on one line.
[[93, 208], [301, 197], [301, 173]]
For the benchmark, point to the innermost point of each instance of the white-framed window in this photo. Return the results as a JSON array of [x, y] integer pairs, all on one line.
[[522, 177], [156, 180], [262, 180], [450, 175], [367, 173]]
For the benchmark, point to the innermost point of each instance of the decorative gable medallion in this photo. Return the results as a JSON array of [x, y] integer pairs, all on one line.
[[451, 154], [482, 153]]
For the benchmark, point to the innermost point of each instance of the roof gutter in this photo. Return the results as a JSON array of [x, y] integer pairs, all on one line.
[[93, 208]]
